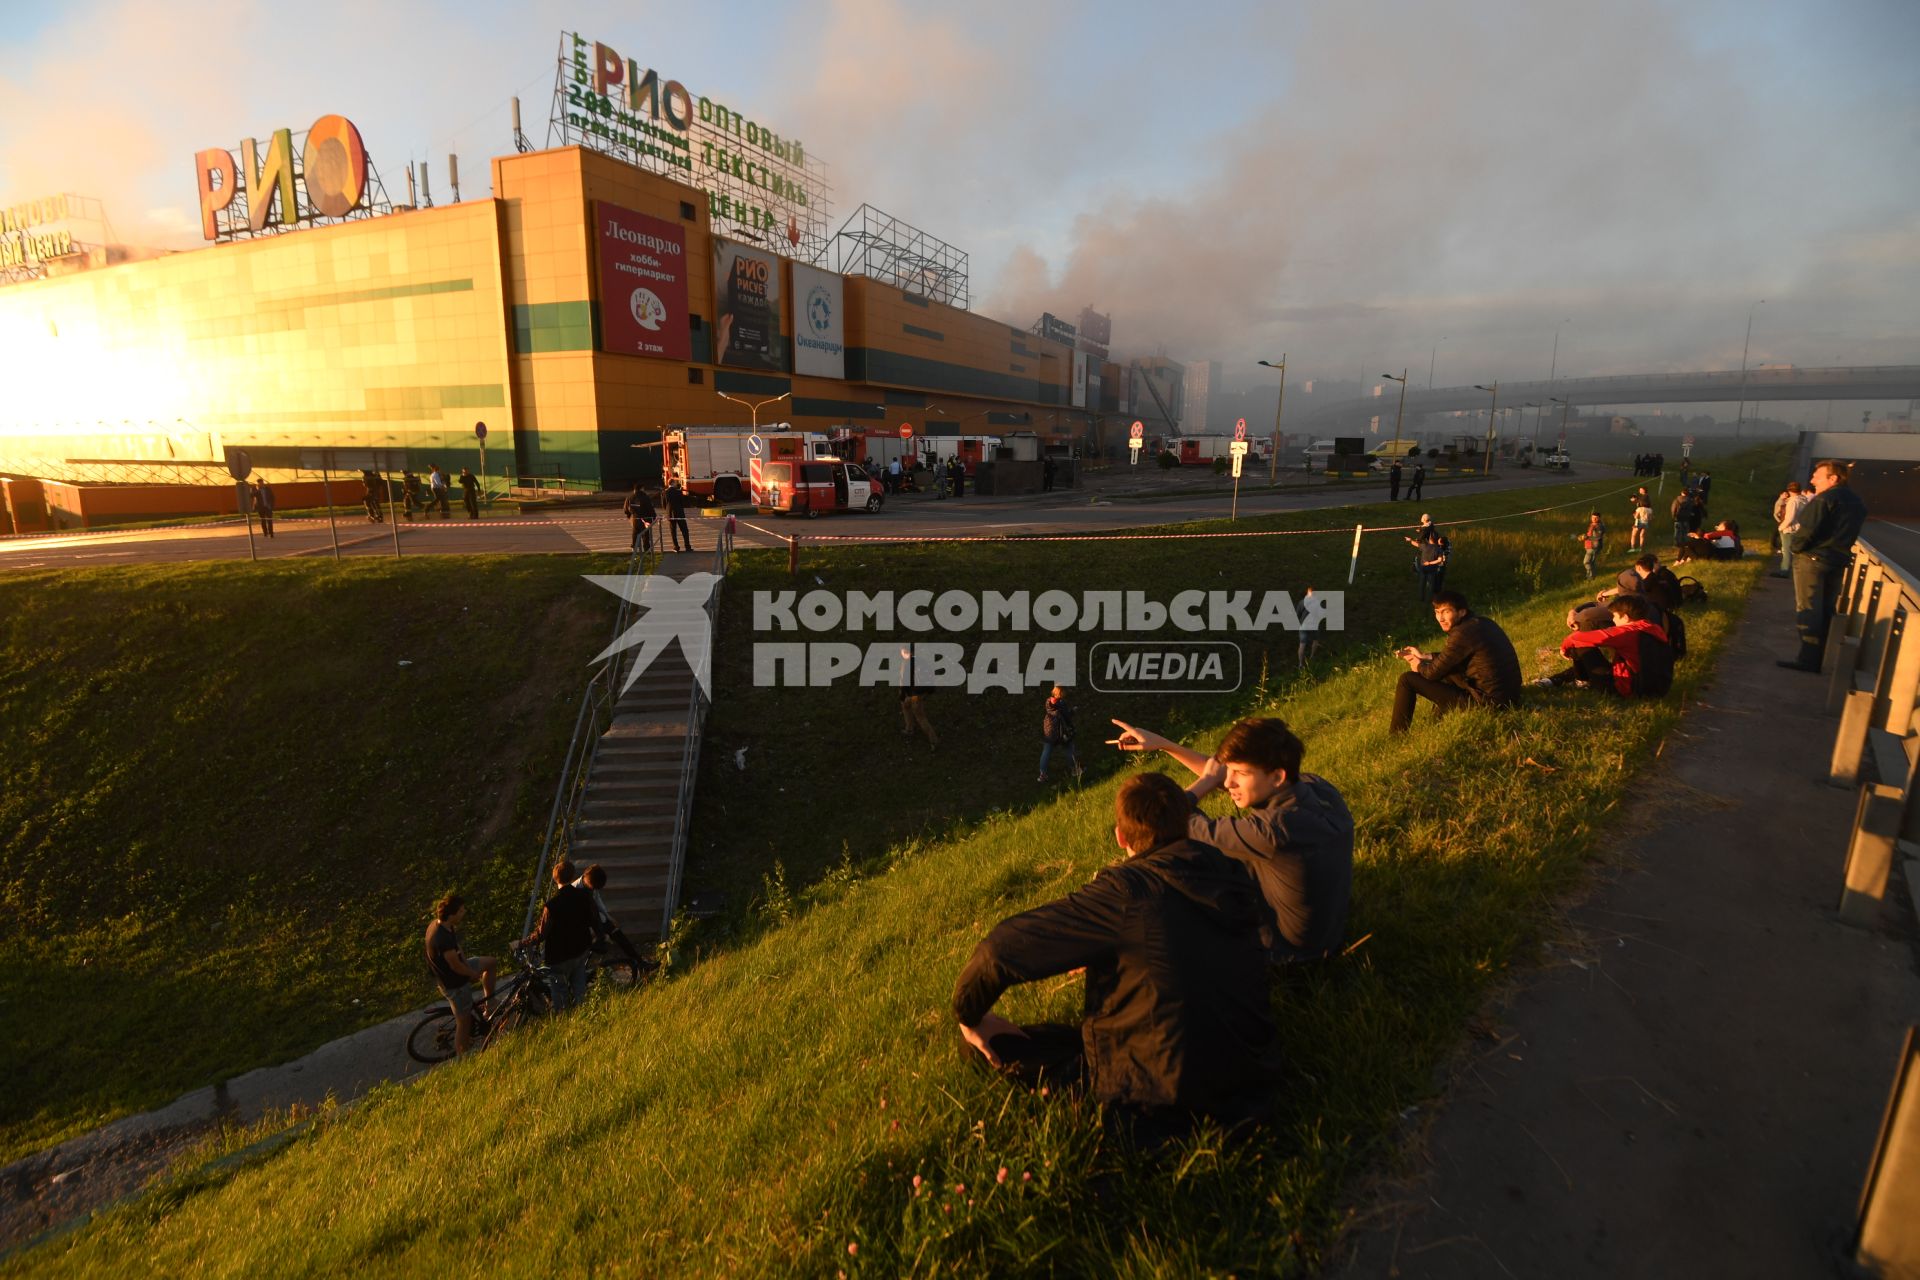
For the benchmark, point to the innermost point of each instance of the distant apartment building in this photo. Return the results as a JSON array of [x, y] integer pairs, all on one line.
[[1202, 388]]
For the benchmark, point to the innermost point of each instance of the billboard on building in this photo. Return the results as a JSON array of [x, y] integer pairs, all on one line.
[[820, 335], [1096, 332], [1052, 326], [746, 308], [643, 284], [1079, 379]]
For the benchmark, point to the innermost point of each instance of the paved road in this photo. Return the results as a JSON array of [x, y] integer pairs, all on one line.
[[912, 516], [1898, 540]]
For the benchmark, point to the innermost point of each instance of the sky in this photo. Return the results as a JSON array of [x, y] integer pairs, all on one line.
[[1353, 183]]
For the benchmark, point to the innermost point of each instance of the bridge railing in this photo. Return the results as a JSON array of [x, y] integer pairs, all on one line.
[[1873, 669], [697, 704]]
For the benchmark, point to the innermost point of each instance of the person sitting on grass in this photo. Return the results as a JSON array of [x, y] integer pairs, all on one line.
[[1478, 665], [1294, 834], [1722, 542], [1177, 1021], [1642, 661], [454, 970]]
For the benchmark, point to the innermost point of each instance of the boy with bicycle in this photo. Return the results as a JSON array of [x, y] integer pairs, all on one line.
[[454, 970]]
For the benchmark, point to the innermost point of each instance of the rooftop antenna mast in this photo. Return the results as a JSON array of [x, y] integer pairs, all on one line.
[[520, 142], [453, 175]]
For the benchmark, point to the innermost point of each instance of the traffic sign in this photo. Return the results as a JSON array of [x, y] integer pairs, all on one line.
[[1688, 442], [754, 446], [1239, 448], [1138, 430], [1240, 430], [906, 431], [1238, 458], [479, 431], [239, 465]]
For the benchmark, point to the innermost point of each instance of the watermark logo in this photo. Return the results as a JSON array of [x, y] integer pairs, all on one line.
[[670, 610], [1157, 660]]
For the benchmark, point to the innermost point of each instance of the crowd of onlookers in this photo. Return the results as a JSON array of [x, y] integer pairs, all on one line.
[[1178, 939]]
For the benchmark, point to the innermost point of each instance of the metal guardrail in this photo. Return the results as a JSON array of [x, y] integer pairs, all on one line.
[[1873, 661], [594, 717], [697, 704]]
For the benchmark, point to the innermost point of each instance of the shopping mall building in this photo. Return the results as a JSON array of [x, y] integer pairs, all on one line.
[[581, 308]]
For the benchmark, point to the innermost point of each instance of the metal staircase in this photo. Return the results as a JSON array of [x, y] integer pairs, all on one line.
[[626, 790]]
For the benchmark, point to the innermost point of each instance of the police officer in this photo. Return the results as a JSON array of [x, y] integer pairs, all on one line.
[[1822, 545]]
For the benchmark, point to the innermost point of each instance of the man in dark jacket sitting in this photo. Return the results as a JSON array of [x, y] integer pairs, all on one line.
[[1294, 833], [1477, 666], [1177, 1019]]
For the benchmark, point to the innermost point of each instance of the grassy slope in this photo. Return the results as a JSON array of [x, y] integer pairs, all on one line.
[[767, 1110], [226, 805]]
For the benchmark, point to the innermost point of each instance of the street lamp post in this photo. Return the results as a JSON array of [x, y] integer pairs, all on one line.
[[1431, 355], [1566, 407], [1273, 464], [1401, 411], [754, 406], [1486, 463], [1740, 416]]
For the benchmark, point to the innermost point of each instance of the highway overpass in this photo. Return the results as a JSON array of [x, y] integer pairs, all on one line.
[[1883, 382]]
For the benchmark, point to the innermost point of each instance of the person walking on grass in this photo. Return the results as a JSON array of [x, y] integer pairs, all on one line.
[[1642, 518], [1056, 732], [1177, 1021], [1594, 541], [1431, 551], [263, 505], [470, 492], [1293, 833], [454, 970], [913, 702]]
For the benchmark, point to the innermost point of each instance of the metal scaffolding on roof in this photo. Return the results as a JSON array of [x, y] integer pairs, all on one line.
[[876, 244]]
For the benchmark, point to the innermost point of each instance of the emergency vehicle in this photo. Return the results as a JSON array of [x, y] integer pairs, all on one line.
[[809, 486], [715, 461], [1200, 451]]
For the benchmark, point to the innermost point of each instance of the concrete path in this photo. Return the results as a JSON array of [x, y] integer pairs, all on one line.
[[54, 1186], [1693, 1083]]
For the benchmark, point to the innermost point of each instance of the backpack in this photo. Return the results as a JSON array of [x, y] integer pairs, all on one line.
[[1691, 592], [1654, 679], [1676, 629]]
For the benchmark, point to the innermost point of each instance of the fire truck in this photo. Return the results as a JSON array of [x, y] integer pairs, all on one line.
[[1201, 450], [715, 461], [857, 444]]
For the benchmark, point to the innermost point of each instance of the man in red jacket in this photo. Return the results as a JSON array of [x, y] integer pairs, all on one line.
[[1642, 662]]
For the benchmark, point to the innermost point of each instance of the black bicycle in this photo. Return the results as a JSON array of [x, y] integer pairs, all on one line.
[[524, 995]]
